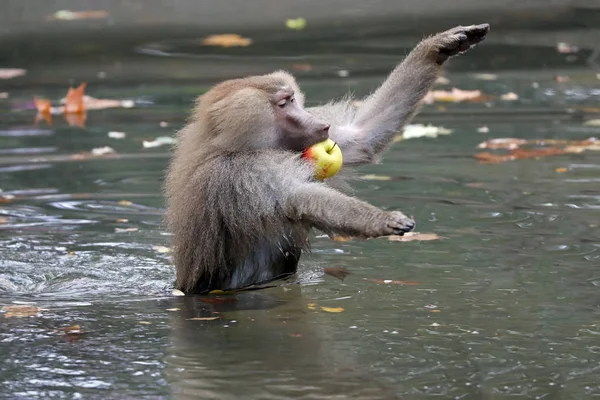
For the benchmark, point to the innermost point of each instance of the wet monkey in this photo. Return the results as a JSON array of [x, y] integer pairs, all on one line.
[[240, 199]]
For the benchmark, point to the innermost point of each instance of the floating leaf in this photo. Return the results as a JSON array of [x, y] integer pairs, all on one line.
[[3, 220], [173, 309], [9, 73], [68, 15], [419, 130], [592, 122], [412, 236], [483, 129], [337, 272], [373, 177], [116, 135], [177, 292], [73, 102], [72, 332], [561, 170], [145, 322], [295, 334], [19, 311], [312, 306], [161, 249], [121, 221], [338, 238], [296, 24], [509, 96], [159, 141], [203, 318], [453, 96], [121, 230], [101, 151], [332, 309], [226, 40]]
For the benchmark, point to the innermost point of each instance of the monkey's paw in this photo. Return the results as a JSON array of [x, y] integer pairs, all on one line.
[[397, 223], [458, 40]]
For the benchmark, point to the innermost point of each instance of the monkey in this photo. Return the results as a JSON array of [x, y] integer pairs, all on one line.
[[240, 199]]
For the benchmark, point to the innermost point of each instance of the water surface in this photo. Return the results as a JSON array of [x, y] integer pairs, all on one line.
[[505, 305]]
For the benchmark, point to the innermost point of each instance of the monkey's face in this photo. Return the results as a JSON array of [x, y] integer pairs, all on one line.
[[298, 129]]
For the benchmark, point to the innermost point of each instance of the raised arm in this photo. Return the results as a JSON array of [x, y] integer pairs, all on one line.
[[367, 131]]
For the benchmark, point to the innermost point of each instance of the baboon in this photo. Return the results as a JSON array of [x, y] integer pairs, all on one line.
[[240, 198]]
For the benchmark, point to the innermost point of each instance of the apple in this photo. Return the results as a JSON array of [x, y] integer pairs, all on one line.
[[326, 157]]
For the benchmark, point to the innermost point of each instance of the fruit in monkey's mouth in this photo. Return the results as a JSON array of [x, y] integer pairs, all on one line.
[[326, 157]]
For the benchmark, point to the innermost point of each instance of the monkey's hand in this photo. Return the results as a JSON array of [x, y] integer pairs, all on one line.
[[456, 41], [391, 223]]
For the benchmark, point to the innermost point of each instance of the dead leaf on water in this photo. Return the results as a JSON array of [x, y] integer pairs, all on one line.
[[3, 220], [453, 96], [9, 73], [561, 170], [159, 141], [161, 249], [124, 203], [177, 292], [332, 309], [373, 177], [337, 272], [121, 221], [203, 318], [19, 311], [592, 122], [102, 151], [414, 131], [122, 230], [68, 15], [312, 306], [337, 238], [226, 40], [412, 236], [173, 309]]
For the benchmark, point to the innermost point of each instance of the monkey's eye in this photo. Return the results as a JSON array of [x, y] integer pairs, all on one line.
[[282, 103], [292, 99]]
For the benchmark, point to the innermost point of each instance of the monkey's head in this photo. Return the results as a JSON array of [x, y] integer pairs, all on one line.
[[259, 112]]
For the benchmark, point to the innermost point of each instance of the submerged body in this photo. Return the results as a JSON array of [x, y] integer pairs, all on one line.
[[241, 200]]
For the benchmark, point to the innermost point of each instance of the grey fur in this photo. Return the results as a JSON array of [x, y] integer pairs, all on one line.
[[240, 203]]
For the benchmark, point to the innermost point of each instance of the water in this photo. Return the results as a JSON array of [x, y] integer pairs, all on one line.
[[505, 305]]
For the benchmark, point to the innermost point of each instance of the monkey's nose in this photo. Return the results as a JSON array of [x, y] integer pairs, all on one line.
[[326, 128]]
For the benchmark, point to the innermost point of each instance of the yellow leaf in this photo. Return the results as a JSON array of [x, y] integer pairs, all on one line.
[[19, 311], [203, 318], [226, 40], [312, 306], [561, 170], [332, 309], [161, 249]]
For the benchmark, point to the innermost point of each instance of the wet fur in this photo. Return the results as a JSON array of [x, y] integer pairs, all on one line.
[[240, 208]]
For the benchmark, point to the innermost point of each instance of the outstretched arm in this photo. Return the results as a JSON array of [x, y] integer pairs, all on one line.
[[372, 126], [333, 212]]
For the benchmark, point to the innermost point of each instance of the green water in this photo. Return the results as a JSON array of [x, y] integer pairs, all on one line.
[[506, 304]]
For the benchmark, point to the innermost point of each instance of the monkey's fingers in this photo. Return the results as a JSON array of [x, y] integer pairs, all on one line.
[[458, 40]]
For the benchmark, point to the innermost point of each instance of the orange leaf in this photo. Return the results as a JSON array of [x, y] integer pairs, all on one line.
[[74, 99], [42, 105], [226, 40]]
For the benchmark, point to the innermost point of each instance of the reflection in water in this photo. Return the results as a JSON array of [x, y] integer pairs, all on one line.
[[507, 304]]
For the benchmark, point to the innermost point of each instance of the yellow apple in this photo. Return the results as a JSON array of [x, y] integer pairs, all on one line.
[[326, 157]]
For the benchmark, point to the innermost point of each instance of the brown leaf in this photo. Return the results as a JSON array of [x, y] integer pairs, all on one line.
[[226, 40], [561, 170], [203, 318], [412, 236], [521, 154], [18, 311], [3, 220], [337, 272]]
